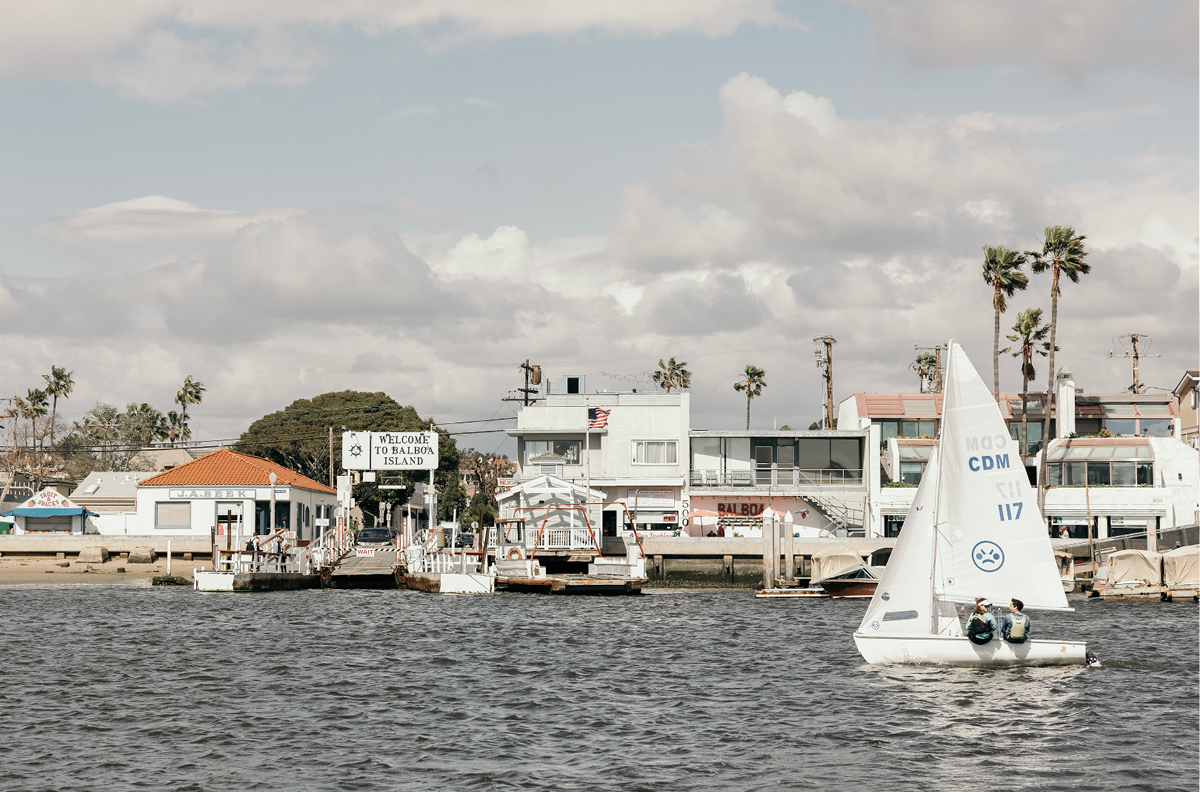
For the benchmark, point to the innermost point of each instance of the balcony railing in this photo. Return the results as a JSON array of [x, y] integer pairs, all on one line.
[[776, 477]]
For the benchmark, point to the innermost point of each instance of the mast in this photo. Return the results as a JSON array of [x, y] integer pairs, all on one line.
[[937, 502]]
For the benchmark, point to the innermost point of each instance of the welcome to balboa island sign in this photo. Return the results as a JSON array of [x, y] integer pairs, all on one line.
[[390, 450]]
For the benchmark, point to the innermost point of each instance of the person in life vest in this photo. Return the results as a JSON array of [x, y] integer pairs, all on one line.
[[1016, 624], [982, 624]]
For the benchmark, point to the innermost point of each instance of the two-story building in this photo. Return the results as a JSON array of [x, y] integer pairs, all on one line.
[[632, 452], [824, 479]]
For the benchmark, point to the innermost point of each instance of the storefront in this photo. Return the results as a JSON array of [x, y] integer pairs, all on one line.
[[232, 495], [49, 511], [741, 515]]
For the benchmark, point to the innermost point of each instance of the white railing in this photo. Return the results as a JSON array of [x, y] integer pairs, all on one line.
[[294, 560], [566, 539], [332, 545]]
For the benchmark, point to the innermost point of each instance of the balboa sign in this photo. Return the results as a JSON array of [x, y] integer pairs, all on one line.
[[390, 450]]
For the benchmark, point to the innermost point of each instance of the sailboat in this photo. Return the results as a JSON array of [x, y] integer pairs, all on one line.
[[974, 530]]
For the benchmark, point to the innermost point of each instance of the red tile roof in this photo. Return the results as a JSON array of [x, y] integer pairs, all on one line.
[[225, 468]]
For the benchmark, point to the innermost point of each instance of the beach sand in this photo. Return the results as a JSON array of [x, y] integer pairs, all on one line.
[[43, 570]]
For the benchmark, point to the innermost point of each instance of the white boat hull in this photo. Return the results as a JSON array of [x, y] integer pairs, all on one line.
[[956, 651]]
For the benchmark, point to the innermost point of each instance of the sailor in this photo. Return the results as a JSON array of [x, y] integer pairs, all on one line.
[[982, 624], [1015, 628]]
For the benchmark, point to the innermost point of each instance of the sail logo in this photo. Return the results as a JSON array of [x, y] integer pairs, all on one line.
[[987, 462], [987, 556], [987, 443]]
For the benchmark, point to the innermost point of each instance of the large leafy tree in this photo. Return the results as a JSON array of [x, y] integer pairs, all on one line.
[[298, 438], [672, 375], [1030, 336], [752, 383], [1062, 253], [59, 384], [1001, 271]]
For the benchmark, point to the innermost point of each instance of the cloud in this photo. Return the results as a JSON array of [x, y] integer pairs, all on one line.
[[413, 111], [799, 222], [154, 217], [165, 50], [1073, 39], [475, 102], [872, 185]]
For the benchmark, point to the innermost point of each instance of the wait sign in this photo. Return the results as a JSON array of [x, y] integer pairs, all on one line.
[[390, 450]]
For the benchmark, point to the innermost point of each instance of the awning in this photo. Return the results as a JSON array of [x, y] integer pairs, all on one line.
[[26, 511]]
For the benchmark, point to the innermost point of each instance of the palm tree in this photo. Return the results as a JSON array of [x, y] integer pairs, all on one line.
[[1030, 335], [1001, 271], [34, 407], [926, 367], [1063, 254], [59, 382], [192, 392], [178, 428], [672, 375], [755, 380]]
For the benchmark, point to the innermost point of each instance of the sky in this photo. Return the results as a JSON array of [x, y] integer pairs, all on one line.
[[287, 198]]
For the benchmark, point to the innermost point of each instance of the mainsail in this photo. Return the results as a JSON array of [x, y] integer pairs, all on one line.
[[991, 540], [903, 603]]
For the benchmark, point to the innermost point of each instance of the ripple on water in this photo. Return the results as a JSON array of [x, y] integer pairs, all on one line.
[[113, 689]]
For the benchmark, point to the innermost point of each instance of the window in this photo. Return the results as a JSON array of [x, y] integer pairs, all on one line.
[[1124, 474], [173, 515], [887, 429], [1155, 428], [1121, 426], [654, 452], [1153, 409], [1035, 435], [1097, 473], [919, 428], [562, 452], [892, 523], [1100, 473], [910, 472]]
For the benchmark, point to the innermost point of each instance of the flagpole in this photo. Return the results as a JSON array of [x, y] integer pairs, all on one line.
[[587, 461]]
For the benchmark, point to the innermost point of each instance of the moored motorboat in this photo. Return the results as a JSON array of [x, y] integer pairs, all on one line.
[[859, 581]]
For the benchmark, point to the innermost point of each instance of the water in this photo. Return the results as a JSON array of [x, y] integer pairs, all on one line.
[[139, 688]]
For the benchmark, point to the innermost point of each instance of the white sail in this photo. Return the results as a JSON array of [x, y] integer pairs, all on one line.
[[991, 540], [902, 601]]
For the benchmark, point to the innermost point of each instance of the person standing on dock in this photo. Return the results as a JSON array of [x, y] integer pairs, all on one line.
[[1016, 624]]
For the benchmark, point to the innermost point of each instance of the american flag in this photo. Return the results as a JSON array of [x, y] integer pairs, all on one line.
[[597, 418]]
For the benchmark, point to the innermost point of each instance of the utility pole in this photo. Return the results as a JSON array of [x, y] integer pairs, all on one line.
[[1134, 337], [331, 484], [937, 374], [825, 363], [533, 376]]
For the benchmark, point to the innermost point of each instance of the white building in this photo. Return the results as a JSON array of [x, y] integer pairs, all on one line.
[[225, 490], [1116, 457], [827, 480], [636, 454], [112, 498]]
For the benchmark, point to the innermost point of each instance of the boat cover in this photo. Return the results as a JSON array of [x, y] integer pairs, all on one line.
[[1140, 565], [1181, 567], [832, 560]]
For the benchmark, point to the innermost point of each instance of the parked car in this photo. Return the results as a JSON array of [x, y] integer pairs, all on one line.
[[374, 537]]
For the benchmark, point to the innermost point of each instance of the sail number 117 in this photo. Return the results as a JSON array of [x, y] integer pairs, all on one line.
[[1006, 510]]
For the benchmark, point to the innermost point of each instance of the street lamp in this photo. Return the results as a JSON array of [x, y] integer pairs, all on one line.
[[272, 478]]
